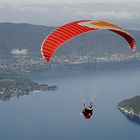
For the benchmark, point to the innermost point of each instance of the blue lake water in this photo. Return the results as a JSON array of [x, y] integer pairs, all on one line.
[[56, 115]]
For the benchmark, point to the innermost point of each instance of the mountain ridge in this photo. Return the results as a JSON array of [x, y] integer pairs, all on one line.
[[30, 37]]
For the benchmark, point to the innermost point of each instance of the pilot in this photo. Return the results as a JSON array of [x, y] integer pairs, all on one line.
[[88, 111]]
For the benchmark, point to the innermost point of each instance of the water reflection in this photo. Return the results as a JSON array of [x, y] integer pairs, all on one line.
[[57, 116], [133, 118]]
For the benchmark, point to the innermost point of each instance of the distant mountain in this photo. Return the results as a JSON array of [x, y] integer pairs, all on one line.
[[21, 36], [20, 46], [27, 38]]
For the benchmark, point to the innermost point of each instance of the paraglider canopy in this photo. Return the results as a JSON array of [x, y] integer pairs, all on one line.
[[64, 33]]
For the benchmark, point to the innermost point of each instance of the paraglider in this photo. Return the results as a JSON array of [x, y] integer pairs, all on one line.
[[66, 32], [70, 30]]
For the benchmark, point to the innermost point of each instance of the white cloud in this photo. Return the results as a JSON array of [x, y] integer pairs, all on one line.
[[110, 15], [58, 14], [69, 1], [19, 51]]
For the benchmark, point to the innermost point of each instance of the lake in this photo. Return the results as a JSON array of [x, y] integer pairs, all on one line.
[[55, 115]]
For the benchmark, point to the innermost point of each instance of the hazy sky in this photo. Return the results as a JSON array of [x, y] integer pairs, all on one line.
[[55, 13], [70, 1]]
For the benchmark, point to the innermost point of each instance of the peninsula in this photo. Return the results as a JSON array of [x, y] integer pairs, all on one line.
[[130, 107], [16, 85]]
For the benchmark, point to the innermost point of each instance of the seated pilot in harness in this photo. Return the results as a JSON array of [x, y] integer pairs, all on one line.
[[87, 111]]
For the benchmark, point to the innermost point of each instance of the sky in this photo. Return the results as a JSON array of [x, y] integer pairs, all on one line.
[[70, 1], [56, 13]]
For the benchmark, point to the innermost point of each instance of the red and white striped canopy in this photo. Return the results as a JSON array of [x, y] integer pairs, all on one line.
[[64, 33]]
